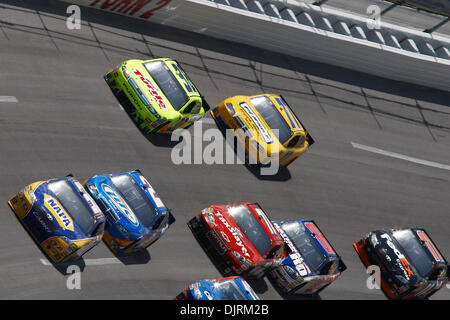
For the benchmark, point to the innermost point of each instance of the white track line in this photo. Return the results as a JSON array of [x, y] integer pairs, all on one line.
[[90, 262], [8, 99], [401, 156]]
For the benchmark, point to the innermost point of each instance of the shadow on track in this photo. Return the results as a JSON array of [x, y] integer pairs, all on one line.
[[283, 174], [138, 257], [294, 296]]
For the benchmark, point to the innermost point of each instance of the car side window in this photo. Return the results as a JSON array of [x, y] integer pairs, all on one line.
[[193, 107]]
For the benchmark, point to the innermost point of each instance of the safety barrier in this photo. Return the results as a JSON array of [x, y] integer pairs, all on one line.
[[441, 7], [306, 31]]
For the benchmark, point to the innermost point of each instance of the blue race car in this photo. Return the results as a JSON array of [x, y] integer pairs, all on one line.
[[228, 288], [60, 216], [311, 264], [136, 216]]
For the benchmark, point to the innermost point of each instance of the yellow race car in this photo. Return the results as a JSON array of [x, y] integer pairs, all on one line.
[[265, 126], [157, 94]]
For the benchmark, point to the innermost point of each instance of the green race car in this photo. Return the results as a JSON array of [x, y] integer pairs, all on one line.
[[157, 94]]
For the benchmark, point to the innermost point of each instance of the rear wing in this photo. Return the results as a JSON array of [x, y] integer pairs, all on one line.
[[309, 138]]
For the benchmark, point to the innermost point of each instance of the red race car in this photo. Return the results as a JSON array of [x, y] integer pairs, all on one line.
[[239, 239]]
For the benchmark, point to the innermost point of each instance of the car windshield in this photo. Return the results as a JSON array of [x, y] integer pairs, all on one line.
[[305, 244], [251, 227], [414, 251], [272, 117], [167, 82], [230, 290], [188, 83], [74, 205], [135, 198]]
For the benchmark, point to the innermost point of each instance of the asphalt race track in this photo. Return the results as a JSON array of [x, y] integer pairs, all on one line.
[[60, 117]]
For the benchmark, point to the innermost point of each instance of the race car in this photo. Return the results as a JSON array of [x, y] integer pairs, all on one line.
[[135, 215], [157, 94], [265, 127], [239, 239], [311, 263], [61, 217], [411, 266], [229, 288]]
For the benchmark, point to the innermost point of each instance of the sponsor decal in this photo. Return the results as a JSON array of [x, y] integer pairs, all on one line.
[[267, 221], [215, 237], [143, 9], [151, 89], [140, 93], [436, 255], [120, 204], [261, 128], [42, 222], [224, 236], [58, 211], [89, 200], [209, 216], [158, 202], [401, 261], [234, 233], [295, 256]]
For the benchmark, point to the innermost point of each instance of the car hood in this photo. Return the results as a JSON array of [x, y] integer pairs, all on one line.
[[53, 219], [120, 213], [393, 258], [231, 234]]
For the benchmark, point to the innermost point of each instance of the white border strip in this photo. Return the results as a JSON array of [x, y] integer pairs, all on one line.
[[90, 262], [8, 99]]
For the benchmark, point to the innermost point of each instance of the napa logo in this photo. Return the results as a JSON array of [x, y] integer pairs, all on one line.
[[57, 210], [120, 204]]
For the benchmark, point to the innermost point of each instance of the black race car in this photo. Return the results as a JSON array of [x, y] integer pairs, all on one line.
[[411, 266]]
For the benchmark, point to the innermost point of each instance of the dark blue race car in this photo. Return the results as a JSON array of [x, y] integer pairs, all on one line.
[[61, 217], [311, 264], [136, 216], [229, 288]]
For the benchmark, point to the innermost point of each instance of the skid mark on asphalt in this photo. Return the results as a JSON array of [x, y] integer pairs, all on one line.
[[400, 156]]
